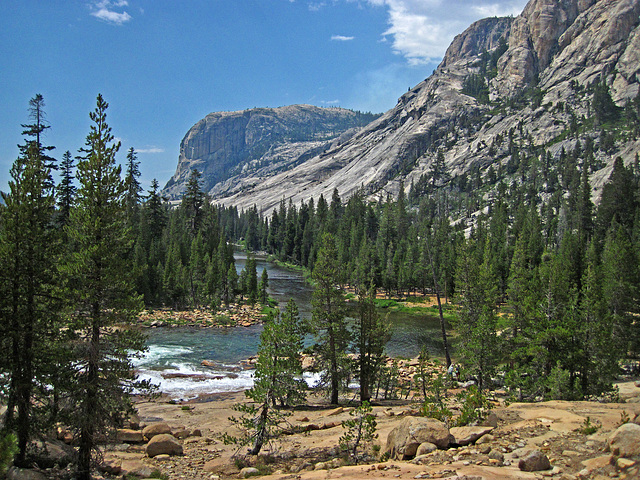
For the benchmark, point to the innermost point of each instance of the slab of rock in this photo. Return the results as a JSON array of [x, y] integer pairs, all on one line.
[[335, 411], [535, 461], [403, 441], [152, 430], [163, 444], [625, 441], [467, 435], [127, 435]]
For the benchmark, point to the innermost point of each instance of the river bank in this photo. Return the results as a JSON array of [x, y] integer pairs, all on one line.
[[555, 428]]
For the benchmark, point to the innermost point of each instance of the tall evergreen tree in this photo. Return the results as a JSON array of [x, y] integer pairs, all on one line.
[[28, 249], [101, 292], [328, 317], [66, 189], [132, 196]]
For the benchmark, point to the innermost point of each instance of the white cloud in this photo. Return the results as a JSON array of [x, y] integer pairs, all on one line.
[[150, 150], [423, 29], [341, 38], [105, 10]]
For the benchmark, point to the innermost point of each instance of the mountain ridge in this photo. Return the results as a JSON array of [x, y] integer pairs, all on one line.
[[528, 79]]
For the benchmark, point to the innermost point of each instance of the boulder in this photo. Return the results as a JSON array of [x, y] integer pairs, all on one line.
[[163, 444], [534, 461], [151, 431], [127, 435], [247, 472], [49, 453], [403, 441], [625, 441], [24, 474], [425, 448], [467, 435]]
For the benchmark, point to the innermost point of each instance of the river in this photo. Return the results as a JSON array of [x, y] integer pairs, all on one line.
[[174, 356]]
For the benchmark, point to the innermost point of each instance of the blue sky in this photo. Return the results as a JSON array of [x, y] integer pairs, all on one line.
[[164, 64]]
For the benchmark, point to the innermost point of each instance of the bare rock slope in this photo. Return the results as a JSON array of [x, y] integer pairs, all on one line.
[[535, 70]]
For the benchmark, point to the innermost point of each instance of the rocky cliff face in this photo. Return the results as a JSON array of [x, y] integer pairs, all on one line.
[[230, 148], [533, 72]]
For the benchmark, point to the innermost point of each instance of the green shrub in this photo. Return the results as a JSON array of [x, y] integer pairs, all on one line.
[[8, 449]]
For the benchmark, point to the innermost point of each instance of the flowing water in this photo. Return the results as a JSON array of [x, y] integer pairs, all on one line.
[[175, 354]]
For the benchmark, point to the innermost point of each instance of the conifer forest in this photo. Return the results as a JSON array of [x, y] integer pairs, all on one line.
[[539, 282]]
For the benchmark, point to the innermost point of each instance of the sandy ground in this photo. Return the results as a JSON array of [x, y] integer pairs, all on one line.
[[552, 427]]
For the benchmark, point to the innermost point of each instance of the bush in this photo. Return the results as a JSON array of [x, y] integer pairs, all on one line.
[[475, 406], [8, 449], [361, 429]]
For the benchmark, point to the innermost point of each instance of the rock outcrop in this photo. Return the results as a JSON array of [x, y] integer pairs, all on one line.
[[233, 150]]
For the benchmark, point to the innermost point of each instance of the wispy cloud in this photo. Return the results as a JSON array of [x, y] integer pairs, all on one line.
[[330, 102], [423, 29], [110, 11], [150, 150], [341, 38]]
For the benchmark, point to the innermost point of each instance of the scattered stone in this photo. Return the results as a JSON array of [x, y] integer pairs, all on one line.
[[196, 433], [535, 461], [163, 443], [403, 441], [162, 457], [625, 441], [151, 431]]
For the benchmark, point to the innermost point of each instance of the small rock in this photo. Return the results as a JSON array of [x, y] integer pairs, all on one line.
[[535, 461], [320, 466], [248, 472], [484, 449], [181, 434], [162, 457], [336, 411], [624, 463]]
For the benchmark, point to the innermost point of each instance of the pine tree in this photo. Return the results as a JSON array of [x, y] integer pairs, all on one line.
[[276, 380], [28, 309], [132, 197], [66, 190], [192, 201], [371, 336], [101, 292], [328, 318]]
